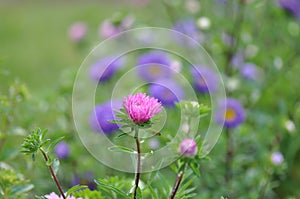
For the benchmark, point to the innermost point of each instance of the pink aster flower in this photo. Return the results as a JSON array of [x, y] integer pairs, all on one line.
[[54, 196], [141, 108], [188, 147], [77, 31]]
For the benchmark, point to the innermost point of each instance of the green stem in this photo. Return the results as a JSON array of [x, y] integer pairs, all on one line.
[[229, 156], [138, 172], [177, 182], [53, 174]]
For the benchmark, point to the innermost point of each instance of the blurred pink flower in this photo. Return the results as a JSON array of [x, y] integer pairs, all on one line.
[[54, 196], [110, 28], [188, 147], [141, 108], [77, 31]]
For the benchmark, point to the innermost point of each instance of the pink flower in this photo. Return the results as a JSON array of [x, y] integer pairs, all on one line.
[[141, 108], [77, 31], [54, 196], [188, 147]]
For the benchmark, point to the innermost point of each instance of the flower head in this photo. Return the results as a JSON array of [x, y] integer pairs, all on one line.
[[277, 158], [54, 196], [154, 65], [103, 69], [86, 179], [102, 114], [189, 28], [292, 6], [168, 92], [188, 147], [141, 108], [249, 71], [231, 113], [62, 150], [77, 31], [204, 79]]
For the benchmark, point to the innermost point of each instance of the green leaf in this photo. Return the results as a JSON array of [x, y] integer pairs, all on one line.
[[55, 165], [121, 135], [18, 189], [75, 188], [112, 188], [53, 143], [195, 168], [121, 149], [153, 192]]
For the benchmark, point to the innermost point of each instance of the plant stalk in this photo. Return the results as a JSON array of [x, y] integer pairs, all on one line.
[[53, 175], [138, 168], [177, 183]]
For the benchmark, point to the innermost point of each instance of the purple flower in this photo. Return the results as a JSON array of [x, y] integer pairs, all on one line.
[[102, 114], [231, 113], [86, 179], [62, 150], [277, 158], [154, 65], [249, 71], [77, 31], [103, 69], [54, 196], [141, 108], [237, 60], [292, 6], [189, 28], [204, 79], [112, 27], [188, 147], [166, 91]]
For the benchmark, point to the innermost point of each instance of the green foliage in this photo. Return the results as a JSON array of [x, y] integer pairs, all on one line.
[[88, 194], [115, 187], [12, 184]]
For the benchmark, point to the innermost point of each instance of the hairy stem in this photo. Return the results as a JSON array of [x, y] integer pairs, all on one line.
[[177, 183], [138, 167], [53, 175]]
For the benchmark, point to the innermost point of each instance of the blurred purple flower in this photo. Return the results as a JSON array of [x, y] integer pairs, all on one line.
[[141, 108], [204, 79], [237, 60], [189, 28], [111, 27], [86, 179], [231, 113], [249, 71], [103, 69], [77, 31], [188, 147], [166, 91], [153, 143], [62, 150], [55, 196], [292, 6], [99, 119], [277, 158], [154, 65]]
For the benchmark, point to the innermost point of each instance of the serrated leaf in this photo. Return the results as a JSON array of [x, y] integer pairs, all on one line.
[[121, 149], [75, 188]]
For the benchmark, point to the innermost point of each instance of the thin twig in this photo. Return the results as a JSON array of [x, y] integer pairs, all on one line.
[[53, 175]]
